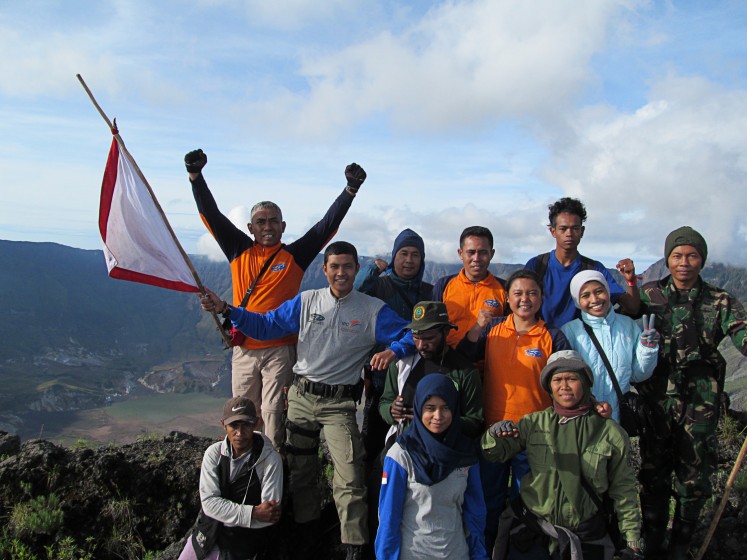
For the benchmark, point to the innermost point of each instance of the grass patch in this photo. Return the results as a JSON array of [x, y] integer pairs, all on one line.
[[40, 515]]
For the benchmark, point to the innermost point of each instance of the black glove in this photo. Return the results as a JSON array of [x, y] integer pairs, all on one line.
[[355, 176], [630, 554], [195, 161], [505, 427]]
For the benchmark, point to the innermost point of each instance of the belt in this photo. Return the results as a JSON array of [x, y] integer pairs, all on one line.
[[322, 389]]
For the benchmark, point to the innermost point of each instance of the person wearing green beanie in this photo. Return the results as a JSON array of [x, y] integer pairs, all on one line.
[[684, 394]]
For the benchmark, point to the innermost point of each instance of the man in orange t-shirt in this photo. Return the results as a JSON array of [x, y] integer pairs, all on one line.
[[474, 289]]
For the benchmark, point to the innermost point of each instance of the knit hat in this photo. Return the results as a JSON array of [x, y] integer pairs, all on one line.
[[580, 280], [428, 315], [239, 409], [408, 238], [685, 236], [565, 361]]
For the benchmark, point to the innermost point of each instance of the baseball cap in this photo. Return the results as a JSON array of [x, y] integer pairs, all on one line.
[[428, 315], [239, 409]]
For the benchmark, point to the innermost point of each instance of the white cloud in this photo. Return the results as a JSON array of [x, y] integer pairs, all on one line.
[[677, 160], [465, 65]]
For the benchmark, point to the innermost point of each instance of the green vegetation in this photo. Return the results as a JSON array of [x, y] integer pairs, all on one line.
[[65, 549], [37, 515]]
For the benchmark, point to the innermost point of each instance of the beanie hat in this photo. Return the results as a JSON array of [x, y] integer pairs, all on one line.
[[566, 361], [685, 236], [408, 238], [580, 279]]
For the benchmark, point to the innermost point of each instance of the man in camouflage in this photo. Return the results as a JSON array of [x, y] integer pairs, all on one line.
[[685, 391]]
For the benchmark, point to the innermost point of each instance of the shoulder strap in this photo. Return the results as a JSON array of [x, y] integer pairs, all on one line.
[[541, 264], [587, 263], [593, 495], [267, 264], [606, 361]]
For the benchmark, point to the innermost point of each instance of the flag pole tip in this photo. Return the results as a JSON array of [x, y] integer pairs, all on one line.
[[115, 130]]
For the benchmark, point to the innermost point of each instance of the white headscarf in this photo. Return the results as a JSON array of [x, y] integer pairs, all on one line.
[[582, 278]]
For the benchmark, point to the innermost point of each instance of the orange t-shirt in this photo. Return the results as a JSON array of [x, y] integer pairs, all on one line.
[[464, 299], [513, 363]]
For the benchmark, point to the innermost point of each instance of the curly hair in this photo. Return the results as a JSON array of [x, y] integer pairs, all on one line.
[[566, 205]]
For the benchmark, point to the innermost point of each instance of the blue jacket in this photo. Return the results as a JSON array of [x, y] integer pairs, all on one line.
[[619, 337], [446, 520]]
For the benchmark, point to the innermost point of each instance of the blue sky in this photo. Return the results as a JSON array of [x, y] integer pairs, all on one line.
[[462, 113]]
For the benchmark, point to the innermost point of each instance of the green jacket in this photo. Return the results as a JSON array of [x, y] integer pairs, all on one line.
[[461, 371], [558, 454], [691, 328]]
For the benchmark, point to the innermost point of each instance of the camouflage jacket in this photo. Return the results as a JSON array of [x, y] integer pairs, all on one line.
[[692, 326]]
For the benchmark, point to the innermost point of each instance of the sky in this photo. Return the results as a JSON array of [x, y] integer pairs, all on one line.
[[462, 113]]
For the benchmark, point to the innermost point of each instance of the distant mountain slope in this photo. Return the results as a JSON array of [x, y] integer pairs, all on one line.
[[71, 337]]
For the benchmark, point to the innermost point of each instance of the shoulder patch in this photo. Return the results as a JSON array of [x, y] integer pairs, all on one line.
[[277, 267]]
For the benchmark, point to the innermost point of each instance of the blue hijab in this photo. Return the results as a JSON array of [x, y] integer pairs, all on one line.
[[434, 457]]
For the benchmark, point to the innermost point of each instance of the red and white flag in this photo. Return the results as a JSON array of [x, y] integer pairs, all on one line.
[[138, 245]]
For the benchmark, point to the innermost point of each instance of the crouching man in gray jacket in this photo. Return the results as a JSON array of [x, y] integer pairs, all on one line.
[[241, 485]]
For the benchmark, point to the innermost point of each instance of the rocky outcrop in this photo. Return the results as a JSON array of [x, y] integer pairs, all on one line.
[[129, 501], [126, 500]]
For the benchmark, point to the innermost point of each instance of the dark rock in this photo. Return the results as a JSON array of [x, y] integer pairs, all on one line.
[[9, 444]]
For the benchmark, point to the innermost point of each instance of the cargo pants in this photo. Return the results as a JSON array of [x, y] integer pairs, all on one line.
[[336, 415]]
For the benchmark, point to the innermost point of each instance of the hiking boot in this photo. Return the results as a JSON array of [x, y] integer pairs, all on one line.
[[354, 552]]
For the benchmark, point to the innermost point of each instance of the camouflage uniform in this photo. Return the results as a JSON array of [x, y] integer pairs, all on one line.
[[685, 391]]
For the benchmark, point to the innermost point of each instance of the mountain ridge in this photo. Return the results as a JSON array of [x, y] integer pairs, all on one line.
[[72, 338]]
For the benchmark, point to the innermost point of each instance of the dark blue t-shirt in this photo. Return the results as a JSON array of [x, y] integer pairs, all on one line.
[[558, 307]]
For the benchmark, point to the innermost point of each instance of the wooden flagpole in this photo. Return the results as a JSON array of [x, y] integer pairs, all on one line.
[[724, 501], [134, 164]]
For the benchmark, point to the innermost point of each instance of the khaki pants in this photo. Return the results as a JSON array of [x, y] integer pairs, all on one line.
[[261, 375], [307, 414]]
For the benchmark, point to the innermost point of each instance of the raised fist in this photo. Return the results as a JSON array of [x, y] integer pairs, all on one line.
[[195, 161], [355, 176], [504, 428]]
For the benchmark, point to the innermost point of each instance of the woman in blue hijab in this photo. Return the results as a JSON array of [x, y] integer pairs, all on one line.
[[431, 503]]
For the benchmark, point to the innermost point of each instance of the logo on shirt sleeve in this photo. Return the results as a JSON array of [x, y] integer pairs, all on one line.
[[494, 303]]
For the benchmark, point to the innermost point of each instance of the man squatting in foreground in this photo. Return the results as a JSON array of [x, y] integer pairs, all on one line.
[[337, 328], [241, 485], [260, 369]]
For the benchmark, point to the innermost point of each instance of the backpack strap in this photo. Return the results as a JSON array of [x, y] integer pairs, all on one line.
[[541, 263], [587, 263]]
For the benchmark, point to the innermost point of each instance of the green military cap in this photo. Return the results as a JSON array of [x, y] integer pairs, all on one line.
[[428, 315]]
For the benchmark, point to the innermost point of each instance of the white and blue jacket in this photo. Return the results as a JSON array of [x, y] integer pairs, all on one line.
[[619, 337]]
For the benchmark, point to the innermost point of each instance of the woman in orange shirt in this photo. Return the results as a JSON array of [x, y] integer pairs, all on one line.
[[515, 348]]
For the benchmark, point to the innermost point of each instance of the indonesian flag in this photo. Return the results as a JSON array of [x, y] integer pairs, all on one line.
[[138, 244]]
